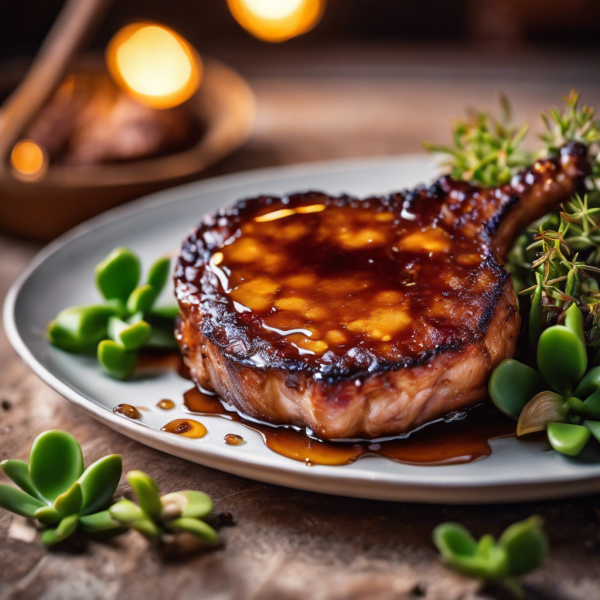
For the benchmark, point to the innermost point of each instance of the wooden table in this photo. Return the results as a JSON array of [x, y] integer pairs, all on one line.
[[288, 544]]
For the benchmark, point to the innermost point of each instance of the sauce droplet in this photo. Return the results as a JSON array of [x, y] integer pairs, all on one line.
[[232, 439], [131, 412], [186, 427], [166, 404]]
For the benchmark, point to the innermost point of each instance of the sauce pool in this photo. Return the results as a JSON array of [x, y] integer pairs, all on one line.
[[441, 443]]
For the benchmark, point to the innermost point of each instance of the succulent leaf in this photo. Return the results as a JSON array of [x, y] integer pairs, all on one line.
[[512, 385], [589, 384], [461, 552], [147, 493], [141, 299], [125, 511], [594, 427], [98, 522], [567, 438], [526, 546], [196, 527], [158, 275], [562, 358], [99, 482], [19, 502], [590, 407], [65, 528], [55, 463], [116, 361], [130, 336], [147, 528], [79, 328], [187, 504], [118, 274], [48, 515], [18, 472], [70, 502]]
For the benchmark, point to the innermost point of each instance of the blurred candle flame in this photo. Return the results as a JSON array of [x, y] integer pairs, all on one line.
[[154, 64], [28, 160], [277, 20]]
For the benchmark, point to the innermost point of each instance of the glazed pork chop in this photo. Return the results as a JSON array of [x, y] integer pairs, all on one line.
[[360, 318]]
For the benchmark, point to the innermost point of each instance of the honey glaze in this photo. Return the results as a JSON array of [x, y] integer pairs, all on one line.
[[341, 285], [459, 440], [131, 412], [186, 427]]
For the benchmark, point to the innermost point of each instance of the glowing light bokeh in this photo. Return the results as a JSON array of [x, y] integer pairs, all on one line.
[[28, 160], [277, 20], [154, 64]]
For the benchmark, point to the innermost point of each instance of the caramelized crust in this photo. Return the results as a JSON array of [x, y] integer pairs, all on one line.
[[360, 318]]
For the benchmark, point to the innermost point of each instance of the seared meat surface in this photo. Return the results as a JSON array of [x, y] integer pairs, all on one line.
[[360, 318]]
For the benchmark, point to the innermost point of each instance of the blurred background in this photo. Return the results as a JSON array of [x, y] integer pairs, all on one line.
[[330, 79]]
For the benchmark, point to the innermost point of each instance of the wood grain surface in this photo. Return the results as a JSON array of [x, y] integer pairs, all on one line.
[[288, 544]]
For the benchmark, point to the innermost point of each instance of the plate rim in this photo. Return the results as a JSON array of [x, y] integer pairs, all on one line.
[[296, 474]]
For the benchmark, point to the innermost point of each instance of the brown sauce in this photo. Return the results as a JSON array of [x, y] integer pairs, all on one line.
[[150, 361], [166, 404], [131, 412], [232, 439], [186, 427], [458, 441]]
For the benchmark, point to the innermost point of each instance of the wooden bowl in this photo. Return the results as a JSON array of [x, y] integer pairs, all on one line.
[[68, 195]]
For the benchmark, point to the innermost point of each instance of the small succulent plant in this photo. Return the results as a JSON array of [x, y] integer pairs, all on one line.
[[58, 492], [550, 398], [125, 322], [158, 515], [520, 550]]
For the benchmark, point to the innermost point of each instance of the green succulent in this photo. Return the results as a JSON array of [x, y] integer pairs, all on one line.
[[550, 397], [520, 549], [156, 515], [57, 491], [125, 322]]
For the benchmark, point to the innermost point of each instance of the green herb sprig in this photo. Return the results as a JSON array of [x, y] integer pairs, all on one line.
[[574, 124], [485, 149], [519, 550], [57, 491], [125, 322]]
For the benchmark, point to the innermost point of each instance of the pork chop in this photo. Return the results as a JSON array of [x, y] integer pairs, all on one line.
[[360, 318]]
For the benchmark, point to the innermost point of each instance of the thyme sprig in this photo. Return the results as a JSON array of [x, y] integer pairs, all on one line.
[[574, 124], [486, 150], [489, 150]]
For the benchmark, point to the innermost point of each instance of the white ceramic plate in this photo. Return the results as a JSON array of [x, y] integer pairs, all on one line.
[[61, 275]]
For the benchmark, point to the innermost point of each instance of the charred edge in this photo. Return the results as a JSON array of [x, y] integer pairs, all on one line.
[[575, 150]]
